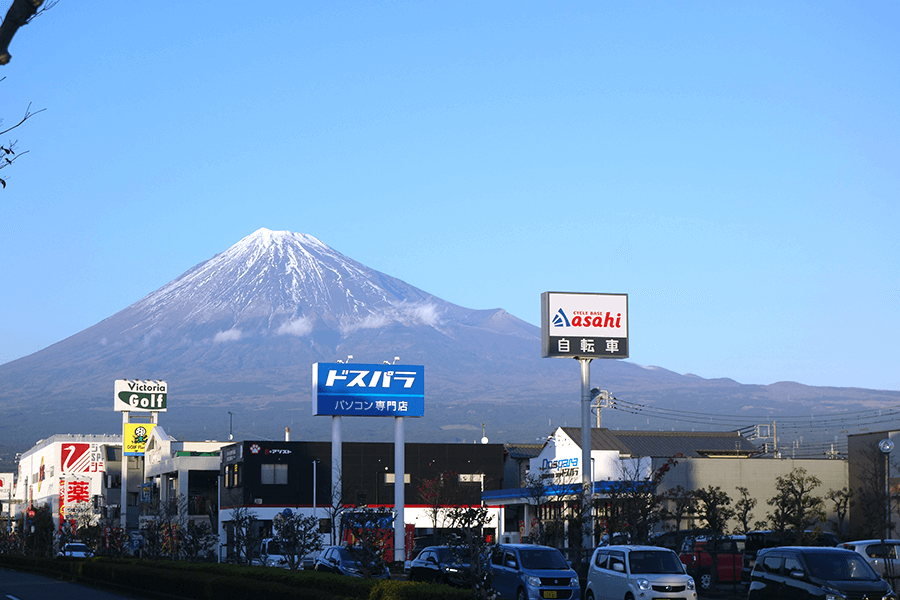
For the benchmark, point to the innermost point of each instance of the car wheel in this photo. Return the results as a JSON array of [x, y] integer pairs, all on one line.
[[521, 595], [705, 581], [590, 595]]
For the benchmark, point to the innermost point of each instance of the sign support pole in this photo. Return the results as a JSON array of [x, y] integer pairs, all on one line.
[[123, 490], [399, 490], [586, 474]]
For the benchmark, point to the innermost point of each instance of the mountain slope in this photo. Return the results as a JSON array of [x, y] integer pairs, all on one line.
[[239, 332]]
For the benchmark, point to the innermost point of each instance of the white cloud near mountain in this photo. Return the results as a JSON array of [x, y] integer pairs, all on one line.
[[405, 313], [232, 335], [299, 327]]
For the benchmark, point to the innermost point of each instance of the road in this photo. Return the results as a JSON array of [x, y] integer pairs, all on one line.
[[26, 586]]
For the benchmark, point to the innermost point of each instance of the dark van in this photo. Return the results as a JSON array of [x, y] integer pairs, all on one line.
[[803, 572]]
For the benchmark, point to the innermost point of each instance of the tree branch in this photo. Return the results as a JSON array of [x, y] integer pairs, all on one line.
[[20, 13]]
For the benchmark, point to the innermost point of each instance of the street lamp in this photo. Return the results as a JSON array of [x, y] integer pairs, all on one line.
[[314, 463]]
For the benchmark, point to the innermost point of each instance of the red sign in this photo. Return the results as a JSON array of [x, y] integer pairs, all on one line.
[[30, 513]]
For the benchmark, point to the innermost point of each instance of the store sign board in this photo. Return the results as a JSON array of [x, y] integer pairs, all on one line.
[[140, 396], [582, 325], [361, 390]]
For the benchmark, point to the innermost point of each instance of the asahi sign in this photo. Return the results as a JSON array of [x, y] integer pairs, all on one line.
[[137, 395], [581, 325]]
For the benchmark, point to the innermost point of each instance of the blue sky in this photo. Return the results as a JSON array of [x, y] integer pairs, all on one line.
[[732, 167]]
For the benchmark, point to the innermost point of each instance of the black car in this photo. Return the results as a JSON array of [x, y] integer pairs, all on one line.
[[804, 572], [757, 540], [440, 564], [344, 561]]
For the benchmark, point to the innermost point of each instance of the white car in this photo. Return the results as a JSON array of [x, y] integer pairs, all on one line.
[[883, 556], [75, 550], [634, 572]]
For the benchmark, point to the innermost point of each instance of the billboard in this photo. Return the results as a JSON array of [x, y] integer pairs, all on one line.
[[142, 396], [135, 437], [368, 390], [81, 457], [6, 484], [581, 325]]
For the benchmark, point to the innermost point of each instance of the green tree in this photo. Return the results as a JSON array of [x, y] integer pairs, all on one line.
[[470, 549], [795, 508], [743, 510], [714, 509], [298, 536], [371, 532]]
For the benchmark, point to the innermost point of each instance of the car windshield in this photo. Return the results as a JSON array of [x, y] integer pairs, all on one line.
[[76, 548], [838, 567], [276, 549], [453, 555], [645, 562], [542, 558]]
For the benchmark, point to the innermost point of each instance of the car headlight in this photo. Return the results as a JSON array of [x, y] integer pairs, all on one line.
[[533, 581], [574, 582], [834, 595], [643, 584], [690, 584]]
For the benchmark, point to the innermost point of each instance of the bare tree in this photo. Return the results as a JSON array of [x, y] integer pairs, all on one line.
[[840, 499], [632, 505], [245, 532], [438, 494], [870, 497], [553, 495], [338, 506]]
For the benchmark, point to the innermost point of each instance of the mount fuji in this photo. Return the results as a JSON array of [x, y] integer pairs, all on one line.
[[235, 338]]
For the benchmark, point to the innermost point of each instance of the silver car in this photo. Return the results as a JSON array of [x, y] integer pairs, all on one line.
[[631, 572], [882, 555]]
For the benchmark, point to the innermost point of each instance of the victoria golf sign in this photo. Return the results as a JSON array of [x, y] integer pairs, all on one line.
[[142, 396]]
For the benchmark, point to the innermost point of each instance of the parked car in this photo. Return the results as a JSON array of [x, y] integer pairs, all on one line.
[[883, 556], [438, 563], [674, 540], [342, 560], [795, 572], [530, 572], [700, 553], [618, 572], [273, 554], [757, 540], [75, 550]]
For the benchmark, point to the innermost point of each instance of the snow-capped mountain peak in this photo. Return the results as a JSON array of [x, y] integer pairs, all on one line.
[[284, 283]]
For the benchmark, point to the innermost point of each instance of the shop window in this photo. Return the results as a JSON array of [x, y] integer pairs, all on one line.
[[275, 474]]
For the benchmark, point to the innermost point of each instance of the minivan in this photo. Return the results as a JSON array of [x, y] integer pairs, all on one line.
[[531, 572], [805, 572]]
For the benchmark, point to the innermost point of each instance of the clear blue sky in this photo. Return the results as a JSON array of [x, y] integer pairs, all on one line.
[[734, 167]]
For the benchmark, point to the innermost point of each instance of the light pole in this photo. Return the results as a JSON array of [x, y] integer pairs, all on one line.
[[886, 445], [314, 487]]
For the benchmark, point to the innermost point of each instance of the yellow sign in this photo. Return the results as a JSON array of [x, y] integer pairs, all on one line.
[[135, 437]]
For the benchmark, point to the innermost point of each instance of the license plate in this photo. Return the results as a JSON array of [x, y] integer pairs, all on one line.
[[549, 594]]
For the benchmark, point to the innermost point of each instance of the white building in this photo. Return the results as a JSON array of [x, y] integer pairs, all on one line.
[[72, 475]]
